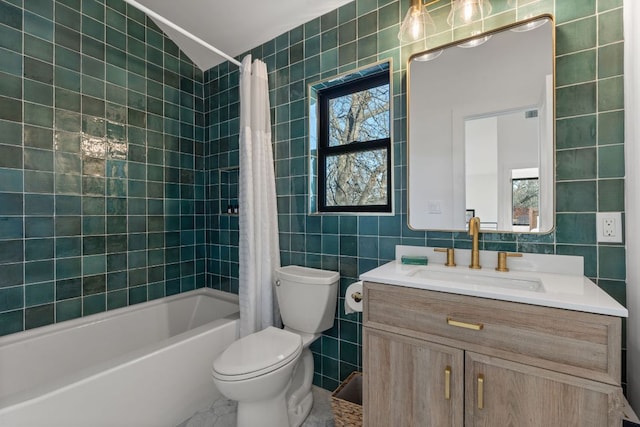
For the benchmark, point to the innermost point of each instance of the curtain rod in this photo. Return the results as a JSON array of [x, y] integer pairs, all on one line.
[[182, 31]]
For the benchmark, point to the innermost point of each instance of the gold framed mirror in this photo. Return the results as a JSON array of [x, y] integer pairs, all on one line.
[[481, 138]]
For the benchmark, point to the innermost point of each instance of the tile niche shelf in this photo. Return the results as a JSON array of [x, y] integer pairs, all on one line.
[[229, 187]]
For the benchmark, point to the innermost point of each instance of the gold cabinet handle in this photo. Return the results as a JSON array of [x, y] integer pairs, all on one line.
[[447, 382], [473, 326], [480, 391]]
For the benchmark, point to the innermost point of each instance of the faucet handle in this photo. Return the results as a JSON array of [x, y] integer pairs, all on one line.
[[451, 261], [502, 260]]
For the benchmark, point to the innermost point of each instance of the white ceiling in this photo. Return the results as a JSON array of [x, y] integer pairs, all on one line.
[[234, 26]]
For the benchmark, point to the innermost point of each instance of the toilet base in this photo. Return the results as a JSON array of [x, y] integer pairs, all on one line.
[[297, 417], [299, 396], [264, 413]]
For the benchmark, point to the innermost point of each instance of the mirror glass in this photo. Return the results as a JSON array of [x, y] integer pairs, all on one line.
[[481, 132]]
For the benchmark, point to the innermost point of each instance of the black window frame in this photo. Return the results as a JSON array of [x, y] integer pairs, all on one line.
[[325, 151]]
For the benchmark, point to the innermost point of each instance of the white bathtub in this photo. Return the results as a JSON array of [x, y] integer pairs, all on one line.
[[144, 365]]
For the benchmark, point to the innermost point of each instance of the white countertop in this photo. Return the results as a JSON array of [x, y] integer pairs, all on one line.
[[567, 291]]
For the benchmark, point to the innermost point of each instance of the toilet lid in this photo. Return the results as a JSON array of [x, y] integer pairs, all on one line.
[[258, 353]]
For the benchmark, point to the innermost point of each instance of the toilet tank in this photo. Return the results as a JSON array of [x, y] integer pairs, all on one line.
[[307, 297]]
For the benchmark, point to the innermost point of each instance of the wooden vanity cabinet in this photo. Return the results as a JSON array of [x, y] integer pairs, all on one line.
[[416, 383], [439, 359], [520, 395]]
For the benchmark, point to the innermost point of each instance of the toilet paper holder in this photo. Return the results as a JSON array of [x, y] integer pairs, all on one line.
[[353, 297]]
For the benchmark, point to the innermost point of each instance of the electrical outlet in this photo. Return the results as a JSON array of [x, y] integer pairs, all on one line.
[[609, 227]]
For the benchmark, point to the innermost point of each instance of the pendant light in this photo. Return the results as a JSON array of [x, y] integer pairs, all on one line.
[[416, 23], [467, 11]]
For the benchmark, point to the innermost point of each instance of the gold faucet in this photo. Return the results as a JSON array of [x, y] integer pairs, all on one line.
[[451, 257], [502, 260], [474, 231]]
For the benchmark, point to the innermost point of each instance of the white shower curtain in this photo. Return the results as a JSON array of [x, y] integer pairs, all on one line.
[[259, 249]]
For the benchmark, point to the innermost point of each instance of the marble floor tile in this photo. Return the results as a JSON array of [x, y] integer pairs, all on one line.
[[222, 413]]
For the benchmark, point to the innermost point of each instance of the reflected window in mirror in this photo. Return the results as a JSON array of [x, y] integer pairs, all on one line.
[[525, 199]]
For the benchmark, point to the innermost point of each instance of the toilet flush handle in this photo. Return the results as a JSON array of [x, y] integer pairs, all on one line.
[[278, 282]]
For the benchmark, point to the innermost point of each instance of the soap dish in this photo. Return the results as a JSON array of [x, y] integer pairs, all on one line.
[[414, 260]]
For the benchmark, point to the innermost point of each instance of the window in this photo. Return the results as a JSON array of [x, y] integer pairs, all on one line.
[[525, 197], [354, 145]]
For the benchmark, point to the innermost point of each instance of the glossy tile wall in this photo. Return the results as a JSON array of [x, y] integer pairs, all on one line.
[[590, 162], [101, 162]]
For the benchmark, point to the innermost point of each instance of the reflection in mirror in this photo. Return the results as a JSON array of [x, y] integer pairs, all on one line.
[[501, 154], [481, 133]]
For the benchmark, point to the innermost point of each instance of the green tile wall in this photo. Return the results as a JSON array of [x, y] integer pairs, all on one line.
[[590, 155], [102, 194]]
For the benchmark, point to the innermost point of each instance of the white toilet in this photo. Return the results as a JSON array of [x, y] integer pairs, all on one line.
[[270, 372]]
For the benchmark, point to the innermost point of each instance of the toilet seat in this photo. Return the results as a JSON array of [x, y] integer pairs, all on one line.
[[257, 354]]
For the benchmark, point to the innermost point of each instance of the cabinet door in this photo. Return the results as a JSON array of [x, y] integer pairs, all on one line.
[[409, 382], [504, 393]]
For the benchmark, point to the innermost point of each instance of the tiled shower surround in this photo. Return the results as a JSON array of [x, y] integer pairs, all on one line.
[[114, 144], [102, 191]]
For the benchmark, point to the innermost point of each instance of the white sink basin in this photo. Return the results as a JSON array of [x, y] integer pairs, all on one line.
[[546, 280], [479, 279]]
